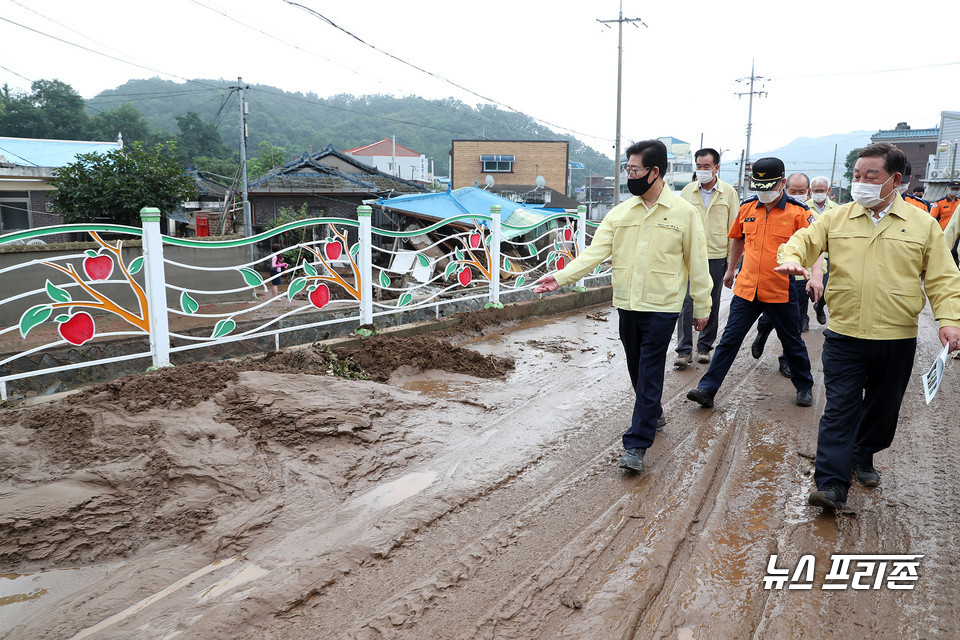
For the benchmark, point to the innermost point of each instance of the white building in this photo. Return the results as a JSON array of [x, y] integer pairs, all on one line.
[[394, 159]]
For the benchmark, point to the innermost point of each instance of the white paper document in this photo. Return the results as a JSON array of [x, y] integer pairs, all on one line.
[[932, 378]]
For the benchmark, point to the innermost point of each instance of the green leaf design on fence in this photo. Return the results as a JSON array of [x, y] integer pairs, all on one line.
[[597, 270], [405, 299], [533, 250], [450, 270], [520, 281], [57, 294], [34, 316], [550, 257], [251, 277], [384, 279], [556, 245], [135, 265], [188, 304], [355, 249], [423, 260], [296, 287], [223, 327], [506, 264], [458, 254], [308, 269], [62, 318], [487, 240], [91, 253]]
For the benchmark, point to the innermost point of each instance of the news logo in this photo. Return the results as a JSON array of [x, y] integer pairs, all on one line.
[[847, 571]]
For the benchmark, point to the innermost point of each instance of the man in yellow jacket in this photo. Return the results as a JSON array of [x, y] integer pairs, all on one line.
[[657, 244], [717, 203], [884, 255]]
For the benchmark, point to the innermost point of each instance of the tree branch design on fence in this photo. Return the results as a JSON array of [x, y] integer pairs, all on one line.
[[79, 327], [560, 254], [319, 294], [476, 240]]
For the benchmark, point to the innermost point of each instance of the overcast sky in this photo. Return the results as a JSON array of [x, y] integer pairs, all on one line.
[[833, 67]]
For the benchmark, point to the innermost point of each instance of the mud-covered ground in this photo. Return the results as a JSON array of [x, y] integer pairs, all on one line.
[[459, 485]]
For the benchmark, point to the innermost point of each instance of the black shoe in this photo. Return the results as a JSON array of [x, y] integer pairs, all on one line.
[[831, 496], [661, 421], [867, 476], [785, 369], [806, 325], [756, 349], [821, 316], [805, 398], [632, 459], [703, 398]]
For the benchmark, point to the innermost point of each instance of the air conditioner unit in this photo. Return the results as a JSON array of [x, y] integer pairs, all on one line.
[[936, 173], [956, 173]]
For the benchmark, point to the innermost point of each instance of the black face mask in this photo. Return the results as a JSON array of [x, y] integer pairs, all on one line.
[[639, 186]]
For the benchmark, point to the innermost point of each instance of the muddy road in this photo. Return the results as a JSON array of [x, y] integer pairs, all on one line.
[[476, 499]]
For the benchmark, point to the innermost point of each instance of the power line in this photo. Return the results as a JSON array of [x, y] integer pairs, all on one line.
[[100, 53], [330, 22]]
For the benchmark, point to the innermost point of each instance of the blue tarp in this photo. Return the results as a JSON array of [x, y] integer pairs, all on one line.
[[469, 200]]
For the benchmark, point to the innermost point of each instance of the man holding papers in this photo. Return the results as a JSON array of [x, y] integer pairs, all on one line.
[[884, 255]]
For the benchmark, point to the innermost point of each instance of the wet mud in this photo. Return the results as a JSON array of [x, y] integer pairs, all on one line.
[[459, 484]]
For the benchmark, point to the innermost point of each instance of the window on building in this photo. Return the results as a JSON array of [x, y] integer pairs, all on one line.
[[497, 164], [14, 211]]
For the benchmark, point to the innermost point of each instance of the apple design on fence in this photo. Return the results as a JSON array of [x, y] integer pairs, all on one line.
[[320, 296], [98, 267], [567, 234], [474, 240], [77, 329], [465, 276], [333, 250], [561, 261]]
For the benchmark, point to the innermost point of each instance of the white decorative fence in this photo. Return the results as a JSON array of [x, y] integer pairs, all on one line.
[[466, 257]]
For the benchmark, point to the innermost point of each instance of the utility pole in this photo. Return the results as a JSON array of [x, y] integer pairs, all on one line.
[[754, 78], [247, 222], [616, 160], [833, 170]]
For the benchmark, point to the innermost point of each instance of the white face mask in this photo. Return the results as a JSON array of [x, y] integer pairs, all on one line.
[[704, 175], [867, 195], [766, 197], [954, 192], [800, 197], [902, 187], [819, 198]]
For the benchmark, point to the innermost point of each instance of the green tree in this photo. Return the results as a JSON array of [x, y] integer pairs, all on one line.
[[52, 110], [222, 169], [269, 158], [116, 185], [198, 138], [127, 121]]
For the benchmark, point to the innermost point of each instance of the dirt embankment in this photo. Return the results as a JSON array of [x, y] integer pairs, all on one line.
[[160, 457]]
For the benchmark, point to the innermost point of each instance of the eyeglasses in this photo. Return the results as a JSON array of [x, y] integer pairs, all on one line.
[[634, 172]]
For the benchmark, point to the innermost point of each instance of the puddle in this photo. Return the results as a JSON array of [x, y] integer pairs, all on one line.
[[399, 490], [21, 595], [434, 383]]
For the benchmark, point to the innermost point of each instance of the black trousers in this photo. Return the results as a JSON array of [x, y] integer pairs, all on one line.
[[864, 382], [646, 337]]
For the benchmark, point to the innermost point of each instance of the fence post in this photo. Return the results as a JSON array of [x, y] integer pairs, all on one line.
[[364, 213], [156, 286], [581, 234], [495, 253]]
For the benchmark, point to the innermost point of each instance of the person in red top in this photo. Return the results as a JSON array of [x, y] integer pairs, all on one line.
[[765, 221], [943, 208]]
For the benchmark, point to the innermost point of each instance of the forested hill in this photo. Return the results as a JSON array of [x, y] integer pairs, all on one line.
[[301, 122]]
